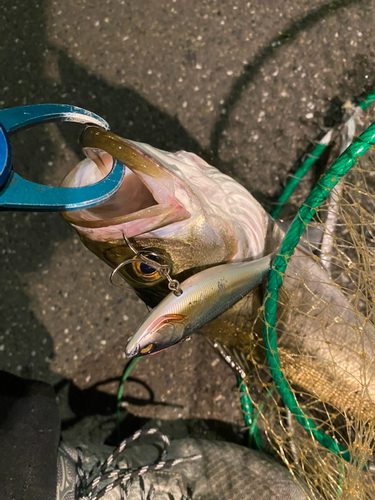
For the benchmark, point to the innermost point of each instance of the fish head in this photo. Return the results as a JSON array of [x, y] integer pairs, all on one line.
[[156, 334], [173, 207]]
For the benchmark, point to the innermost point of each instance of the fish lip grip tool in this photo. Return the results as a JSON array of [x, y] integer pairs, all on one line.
[[17, 193]]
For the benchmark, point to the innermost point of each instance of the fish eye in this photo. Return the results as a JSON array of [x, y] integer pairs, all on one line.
[[145, 269], [147, 273]]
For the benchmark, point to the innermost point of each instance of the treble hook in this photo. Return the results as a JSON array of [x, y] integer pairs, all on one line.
[[141, 256]]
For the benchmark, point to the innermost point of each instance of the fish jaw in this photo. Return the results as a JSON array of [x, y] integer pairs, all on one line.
[[145, 201], [173, 203], [182, 181]]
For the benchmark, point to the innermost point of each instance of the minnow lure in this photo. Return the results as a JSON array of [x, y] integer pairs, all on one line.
[[205, 296]]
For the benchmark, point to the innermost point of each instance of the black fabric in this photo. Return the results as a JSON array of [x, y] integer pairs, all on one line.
[[29, 439]]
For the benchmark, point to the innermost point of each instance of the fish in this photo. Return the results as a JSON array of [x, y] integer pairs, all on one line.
[[171, 203], [182, 213], [179, 207]]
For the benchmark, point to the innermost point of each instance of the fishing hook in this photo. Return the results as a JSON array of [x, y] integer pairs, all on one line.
[[141, 256]]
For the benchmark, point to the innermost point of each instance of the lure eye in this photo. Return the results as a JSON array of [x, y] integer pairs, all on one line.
[[146, 272], [147, 349]]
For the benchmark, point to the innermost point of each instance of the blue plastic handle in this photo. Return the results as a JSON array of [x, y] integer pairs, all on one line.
[[20, 194], [15, 119], [5, 156], [17, 193]]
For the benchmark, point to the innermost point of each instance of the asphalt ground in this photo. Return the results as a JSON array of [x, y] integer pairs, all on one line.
[[249, 85]]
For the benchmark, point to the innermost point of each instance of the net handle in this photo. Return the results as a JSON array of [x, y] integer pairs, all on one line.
[[310, 160]]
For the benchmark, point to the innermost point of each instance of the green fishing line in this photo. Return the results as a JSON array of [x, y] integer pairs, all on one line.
[[251, 420], [254, 440], [261, 406], [296, 179], [125, 374], [320, 192]]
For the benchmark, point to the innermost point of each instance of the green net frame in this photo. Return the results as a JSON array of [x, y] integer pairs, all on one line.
[[275, 279]]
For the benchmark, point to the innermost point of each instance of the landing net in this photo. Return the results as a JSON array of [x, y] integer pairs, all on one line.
[[311, 375]]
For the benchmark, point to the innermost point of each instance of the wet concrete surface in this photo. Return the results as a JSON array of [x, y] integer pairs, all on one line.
[[248, 85]]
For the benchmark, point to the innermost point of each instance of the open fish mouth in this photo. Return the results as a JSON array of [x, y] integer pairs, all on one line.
[[146, 200], [173, 205]]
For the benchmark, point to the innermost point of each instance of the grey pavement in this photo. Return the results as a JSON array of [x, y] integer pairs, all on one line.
[[249, 85]]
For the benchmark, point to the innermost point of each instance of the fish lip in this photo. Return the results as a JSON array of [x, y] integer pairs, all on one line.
[[157, 178]]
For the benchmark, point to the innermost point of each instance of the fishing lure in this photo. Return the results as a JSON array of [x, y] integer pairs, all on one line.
[[206, 295]]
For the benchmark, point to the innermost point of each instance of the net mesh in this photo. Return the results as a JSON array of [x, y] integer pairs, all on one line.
[[326, 344]]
